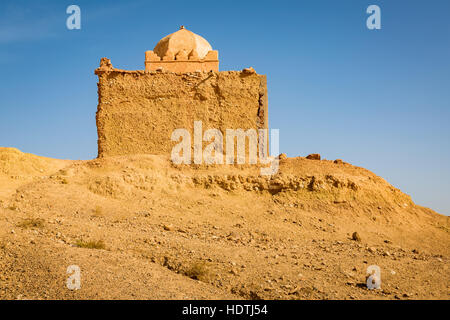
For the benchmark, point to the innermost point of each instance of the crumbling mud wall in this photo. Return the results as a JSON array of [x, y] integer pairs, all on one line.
[[139, 110]]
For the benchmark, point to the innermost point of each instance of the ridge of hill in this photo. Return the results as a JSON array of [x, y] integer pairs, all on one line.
[[140, 227]]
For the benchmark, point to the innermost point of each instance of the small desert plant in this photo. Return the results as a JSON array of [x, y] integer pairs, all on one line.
[[90, 244], [198, 271], [31, 223], [64, 181], [97, 212]]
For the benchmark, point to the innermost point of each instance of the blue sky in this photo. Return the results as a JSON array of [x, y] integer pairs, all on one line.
[[379, 99]]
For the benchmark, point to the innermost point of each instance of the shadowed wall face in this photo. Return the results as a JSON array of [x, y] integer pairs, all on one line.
[[138, 111]]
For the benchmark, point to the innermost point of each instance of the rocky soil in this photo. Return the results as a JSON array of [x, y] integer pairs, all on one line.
[[140, 228]]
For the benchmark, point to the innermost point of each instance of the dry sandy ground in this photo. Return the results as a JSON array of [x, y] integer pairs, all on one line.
[[165, 232]]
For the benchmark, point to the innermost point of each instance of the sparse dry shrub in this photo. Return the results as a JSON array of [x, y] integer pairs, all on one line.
[[198, 271], [97, 212], [92, 244], [31, 223]]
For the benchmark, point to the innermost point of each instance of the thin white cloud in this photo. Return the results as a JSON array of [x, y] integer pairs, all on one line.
[[35, 21], [20, 23]]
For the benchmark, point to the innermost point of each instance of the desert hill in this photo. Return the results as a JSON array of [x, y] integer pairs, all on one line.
[[140, 227]]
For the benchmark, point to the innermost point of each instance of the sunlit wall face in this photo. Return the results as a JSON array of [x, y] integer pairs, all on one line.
[[377, 98]]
